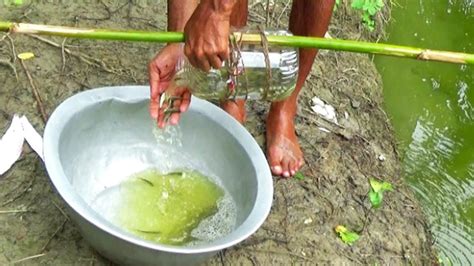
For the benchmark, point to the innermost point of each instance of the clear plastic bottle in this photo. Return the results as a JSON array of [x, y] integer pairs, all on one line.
[[246, 76]]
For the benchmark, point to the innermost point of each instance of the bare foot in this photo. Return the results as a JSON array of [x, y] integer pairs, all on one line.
[[283, 151], [236, 109]]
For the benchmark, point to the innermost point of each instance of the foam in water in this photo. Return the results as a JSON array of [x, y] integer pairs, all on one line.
[[217, 225]]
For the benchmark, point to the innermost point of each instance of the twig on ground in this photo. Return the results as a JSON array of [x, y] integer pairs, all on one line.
[[36, 94], [55, 233], [221, 257], [19, 195], [12, 44], [29, 258], [108, 10], [10, 65], [59, 208], [13, 211], [63, 56], [278, 253], [82, 57]]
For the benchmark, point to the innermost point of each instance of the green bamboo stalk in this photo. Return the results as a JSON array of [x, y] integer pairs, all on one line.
[[291, 41]]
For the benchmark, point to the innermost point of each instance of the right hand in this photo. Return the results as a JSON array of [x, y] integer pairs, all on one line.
[[207, 35], [161, 71]]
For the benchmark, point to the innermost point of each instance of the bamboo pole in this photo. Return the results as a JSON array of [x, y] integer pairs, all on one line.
[[291, 41]]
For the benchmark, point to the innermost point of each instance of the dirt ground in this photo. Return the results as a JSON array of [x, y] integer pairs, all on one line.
[[300, 228]]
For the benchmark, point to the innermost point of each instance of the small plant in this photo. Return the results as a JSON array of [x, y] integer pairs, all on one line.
[[376, 191], [368, 7], [13, 2], [299, 176], [345, 235]]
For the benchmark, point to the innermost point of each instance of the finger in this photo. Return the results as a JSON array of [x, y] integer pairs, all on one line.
[[174, 118], [202, 61], [224, 54], [154, 76], [215, 61], [185, 102], [154, 108], [190, 55], [154, 79], [162, 115]]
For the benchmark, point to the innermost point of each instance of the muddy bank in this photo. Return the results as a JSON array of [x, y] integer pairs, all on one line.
[[300, 228]]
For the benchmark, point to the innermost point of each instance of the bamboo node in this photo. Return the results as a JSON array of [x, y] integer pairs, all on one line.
[[441, 56]]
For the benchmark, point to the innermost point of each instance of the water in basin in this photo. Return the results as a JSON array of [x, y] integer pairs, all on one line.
[[176, 208]]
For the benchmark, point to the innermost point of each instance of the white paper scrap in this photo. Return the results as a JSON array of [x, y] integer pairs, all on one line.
[[325, 110], [11, 144], [33, 138], [324, 129]]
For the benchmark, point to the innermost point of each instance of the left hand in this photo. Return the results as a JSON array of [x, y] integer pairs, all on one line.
[[161, 72]]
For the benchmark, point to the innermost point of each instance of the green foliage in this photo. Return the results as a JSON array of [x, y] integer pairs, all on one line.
[[299, 176], [369, 9], [338, 2], [348, 237], [376, 191], [13, 2]]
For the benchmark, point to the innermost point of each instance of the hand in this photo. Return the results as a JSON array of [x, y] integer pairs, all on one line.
[[207, 36], [161, 71]]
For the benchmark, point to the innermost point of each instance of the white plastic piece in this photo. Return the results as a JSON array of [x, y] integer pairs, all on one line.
[[11, 144], [324, 129], [381, 157], [33, 138], [326, 111]]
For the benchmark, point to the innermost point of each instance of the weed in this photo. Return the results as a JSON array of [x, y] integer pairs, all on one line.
[[376, 191], [348, 237]]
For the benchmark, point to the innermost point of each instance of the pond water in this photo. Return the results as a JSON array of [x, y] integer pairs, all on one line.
[[432, 109]]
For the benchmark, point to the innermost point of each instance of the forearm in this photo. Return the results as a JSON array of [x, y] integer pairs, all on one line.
[[179, 12]]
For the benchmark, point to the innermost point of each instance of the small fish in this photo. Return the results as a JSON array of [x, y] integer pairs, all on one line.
[[148, 232], [146, 181]]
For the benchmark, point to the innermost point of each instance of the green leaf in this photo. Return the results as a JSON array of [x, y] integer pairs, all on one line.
[[358, 4], [376, 185], [299, 176], [386, 186], [348, 237], [377, 190], [380, 4], [375, 198], [338, 2], [13, 2]]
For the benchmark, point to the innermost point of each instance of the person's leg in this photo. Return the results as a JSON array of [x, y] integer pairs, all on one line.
[[238, 19], [308, 18]]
